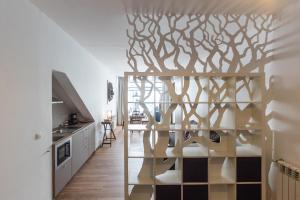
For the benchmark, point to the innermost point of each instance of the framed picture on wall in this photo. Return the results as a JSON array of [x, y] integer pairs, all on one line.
[[110, 91]]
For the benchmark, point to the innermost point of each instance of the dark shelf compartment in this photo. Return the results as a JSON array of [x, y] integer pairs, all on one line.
[[195, 192], [248, 169], [249, 192], [164, 192], [195, 170]]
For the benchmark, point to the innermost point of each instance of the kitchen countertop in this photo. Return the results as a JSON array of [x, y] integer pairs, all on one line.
[[68, 134]]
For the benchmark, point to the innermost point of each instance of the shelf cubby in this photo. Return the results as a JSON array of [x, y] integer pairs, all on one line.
[[222, 192], [248, 116], [164, 192], [198, 90], [141, 145], [171, 86], [169, 177], [222, 143], [168, 144], [167, 114], [195, 115], [248, 89], [195, 192], [195, 144], [195, 170], [248, 169], [222, 170], [168, 171], [248, 143], [222, 89], [140, 171], [249, 192], [222, 115], [139, 85], [141, 192], [141, 107]]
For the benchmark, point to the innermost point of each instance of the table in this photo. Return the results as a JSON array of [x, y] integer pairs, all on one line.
[[107, 125]]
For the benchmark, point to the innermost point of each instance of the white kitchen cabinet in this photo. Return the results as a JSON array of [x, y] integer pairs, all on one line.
[[92, 140], [76, 152], [62, 176], [83, 146]]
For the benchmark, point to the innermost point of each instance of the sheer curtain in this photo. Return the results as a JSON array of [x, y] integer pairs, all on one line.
[[120, 102]]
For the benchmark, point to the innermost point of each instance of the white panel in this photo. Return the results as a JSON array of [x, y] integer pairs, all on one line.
[[285, 187], [297, 190], [292, 189]]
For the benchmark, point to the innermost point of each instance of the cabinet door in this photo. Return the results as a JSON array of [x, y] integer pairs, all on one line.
[[85, 145], [91, 140], [59, 179], [62, 176], [77, 160]]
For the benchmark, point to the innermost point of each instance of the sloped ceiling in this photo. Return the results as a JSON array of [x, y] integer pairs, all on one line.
[[64, 90], [100, 25]]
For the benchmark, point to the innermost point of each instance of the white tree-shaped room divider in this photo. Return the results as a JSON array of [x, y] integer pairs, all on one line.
[[200, 83]]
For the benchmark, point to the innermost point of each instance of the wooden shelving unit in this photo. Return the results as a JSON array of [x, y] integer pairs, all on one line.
[[204, 138]]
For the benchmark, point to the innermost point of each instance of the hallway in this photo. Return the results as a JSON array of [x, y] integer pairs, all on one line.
[[102, 177]]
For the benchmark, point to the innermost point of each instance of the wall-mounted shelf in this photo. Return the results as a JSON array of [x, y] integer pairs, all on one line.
[[56, 101]]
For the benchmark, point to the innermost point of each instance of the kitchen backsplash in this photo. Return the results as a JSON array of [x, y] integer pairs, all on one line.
[[60, 113]]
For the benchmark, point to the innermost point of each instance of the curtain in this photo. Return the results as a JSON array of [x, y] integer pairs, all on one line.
[[120, 102]]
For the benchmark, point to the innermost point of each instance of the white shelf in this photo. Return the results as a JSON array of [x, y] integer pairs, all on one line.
[[141, 192], [170, 152], [248, 151], [171, 127], [138, 127], [169, 177], [221, 181], [140, 171], [248, 183], [139, 153], [180, 127], [135, 180], [195, 151], [195, 183], [220, 154]]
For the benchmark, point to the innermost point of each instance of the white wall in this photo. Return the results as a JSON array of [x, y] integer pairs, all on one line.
[[31, 47]]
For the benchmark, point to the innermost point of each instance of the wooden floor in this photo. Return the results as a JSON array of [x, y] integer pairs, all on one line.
[[102, 177]]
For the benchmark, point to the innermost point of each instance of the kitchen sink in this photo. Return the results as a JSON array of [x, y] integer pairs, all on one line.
[[57, 137], [70, 128], [59, 132]]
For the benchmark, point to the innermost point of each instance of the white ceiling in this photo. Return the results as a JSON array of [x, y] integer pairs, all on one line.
[[100, 25]]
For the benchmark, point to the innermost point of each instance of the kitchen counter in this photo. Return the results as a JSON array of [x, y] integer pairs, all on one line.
[[68, 132]]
